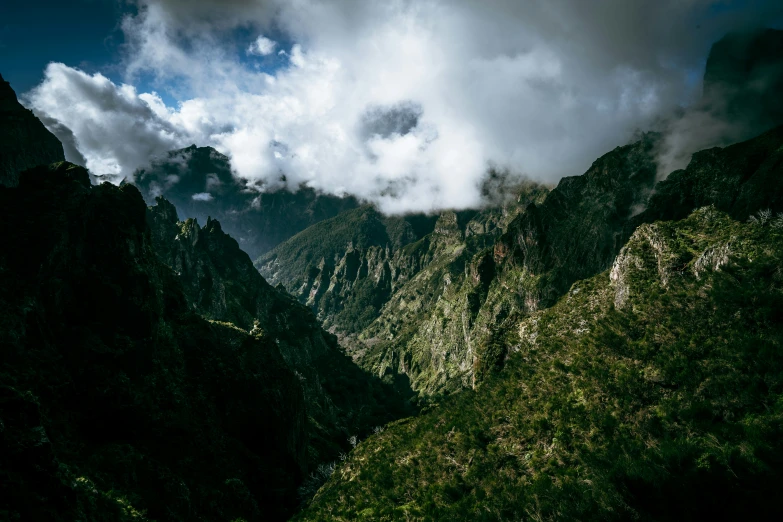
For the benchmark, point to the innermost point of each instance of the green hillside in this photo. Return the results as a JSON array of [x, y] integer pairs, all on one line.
[[650, 391]]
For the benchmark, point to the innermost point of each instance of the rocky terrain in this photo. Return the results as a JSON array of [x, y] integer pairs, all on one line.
[[428, 310], [119, 402], [148, 372], [221, 284]]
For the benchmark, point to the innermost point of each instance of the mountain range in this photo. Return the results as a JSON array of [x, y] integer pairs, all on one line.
[[191, 346]]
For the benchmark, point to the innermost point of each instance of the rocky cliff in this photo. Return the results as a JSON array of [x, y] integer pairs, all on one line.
[[384, 284], [24, 141], [118, 401]]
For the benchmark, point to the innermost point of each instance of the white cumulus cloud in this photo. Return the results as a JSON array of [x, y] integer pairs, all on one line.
[[262, 46]]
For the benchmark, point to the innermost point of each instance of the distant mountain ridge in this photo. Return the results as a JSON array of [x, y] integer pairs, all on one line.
[[200, 184]]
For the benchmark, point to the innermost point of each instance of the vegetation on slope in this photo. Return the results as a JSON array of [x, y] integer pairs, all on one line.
[[651, 392], [382, 293]]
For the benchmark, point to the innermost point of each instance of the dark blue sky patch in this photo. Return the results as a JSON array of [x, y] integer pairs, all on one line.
[[80, 33]]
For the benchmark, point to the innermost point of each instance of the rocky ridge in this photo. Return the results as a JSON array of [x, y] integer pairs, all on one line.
[[650, 391], [221, 284]]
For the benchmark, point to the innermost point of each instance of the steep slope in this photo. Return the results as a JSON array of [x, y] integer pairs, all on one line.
[[221, 284], [367, 276], [651, 391], [434, 325], [575, 232], [199, 182], [740, 180], [344, 268], [117, 401], [24, 141]]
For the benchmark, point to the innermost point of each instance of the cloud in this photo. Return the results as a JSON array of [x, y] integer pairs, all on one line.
[[113, 127], [262, 46], [202, 196], [407, 104]]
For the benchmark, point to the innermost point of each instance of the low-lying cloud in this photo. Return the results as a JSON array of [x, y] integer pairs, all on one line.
[[407, 104]]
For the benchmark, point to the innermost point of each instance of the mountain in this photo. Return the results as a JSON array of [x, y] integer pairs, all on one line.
[[342, 267], [118, 401], [200, 184], [148, 371], [427, 311], [740, 180], [221, 284], [459, 282], [743, 79], [24, 141], [651, 391]]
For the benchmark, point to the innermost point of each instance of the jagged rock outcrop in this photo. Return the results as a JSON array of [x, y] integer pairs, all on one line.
[[480, 285], [118, 402], [221, 284], [200, 184], [24, 141]]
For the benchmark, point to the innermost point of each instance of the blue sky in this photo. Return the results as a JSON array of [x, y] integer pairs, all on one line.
[[81, 33]]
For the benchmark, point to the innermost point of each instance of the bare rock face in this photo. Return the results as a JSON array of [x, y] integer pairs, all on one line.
[[24, 141]]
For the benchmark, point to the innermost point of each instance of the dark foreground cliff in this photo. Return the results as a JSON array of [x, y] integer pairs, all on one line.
[[118, 401], [24, 141]]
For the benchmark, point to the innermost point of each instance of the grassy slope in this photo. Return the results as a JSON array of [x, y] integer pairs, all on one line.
[[667, 406]]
